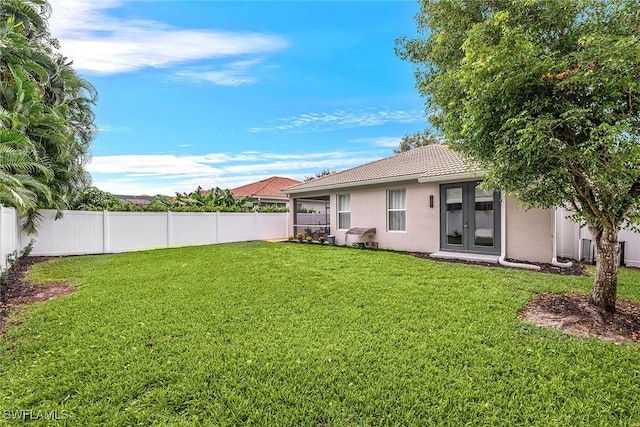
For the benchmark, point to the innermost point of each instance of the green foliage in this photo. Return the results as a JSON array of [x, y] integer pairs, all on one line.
[[418, 139], [14, 258], [94, 199], [214, 200], [211, 199], [49, 105], [545, 96], [320, 174], [280, 334]]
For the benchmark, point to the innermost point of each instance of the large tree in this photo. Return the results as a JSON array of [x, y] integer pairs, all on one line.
[[545, 95], [44, 100], [415, 140]]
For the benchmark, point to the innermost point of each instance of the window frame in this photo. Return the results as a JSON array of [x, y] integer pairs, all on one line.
[[390, 210], [338, 211]]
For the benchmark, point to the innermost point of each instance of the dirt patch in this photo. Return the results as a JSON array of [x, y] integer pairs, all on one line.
[[15, 290], [576, 316]]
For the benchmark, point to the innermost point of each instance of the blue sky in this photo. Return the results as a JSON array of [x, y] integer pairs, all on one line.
[[223, 93]]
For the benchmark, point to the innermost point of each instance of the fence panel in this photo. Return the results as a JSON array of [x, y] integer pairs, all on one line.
[[193, 228], [9, 235], [237, 227], [76, 233], [129, 231], [631, 247], [568, 235], [271, 226], [79, 232]]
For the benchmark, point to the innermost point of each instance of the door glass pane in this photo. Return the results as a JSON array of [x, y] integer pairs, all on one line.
[[483, 233], [453, 217]]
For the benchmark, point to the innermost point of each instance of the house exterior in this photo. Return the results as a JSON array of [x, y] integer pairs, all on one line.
[[428, 200], [135, 200], [267, 191]]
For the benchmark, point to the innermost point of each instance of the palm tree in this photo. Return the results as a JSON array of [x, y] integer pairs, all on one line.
[[44, 99], [18, 186], [31, 14]]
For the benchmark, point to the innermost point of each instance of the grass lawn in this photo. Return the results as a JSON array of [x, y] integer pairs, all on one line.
[[293, 334]]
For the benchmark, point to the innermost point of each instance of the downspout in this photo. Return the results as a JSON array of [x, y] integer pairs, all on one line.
[[554, 259], [503, 241], [580, 254]]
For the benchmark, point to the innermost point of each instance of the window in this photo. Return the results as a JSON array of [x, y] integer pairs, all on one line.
[[344, 211], [397, 208]]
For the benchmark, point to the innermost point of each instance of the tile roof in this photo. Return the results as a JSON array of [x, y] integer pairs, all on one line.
[[135, 200], [430, 161], [270, 187]]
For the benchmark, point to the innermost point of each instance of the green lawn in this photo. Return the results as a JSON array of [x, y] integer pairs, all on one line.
[[295, 334]]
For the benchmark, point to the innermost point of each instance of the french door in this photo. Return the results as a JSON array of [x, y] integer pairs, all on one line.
[[469, 218]]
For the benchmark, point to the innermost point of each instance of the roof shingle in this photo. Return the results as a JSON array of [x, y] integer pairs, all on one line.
[[270, 187], [424, 162]]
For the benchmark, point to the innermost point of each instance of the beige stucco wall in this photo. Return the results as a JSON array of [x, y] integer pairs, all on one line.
[[369, 209], [529, 233]]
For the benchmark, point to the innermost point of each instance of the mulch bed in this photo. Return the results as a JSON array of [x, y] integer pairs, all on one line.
[[576, 316], [16, 291]]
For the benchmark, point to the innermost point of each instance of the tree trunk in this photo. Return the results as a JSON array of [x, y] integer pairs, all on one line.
[[607, 261]]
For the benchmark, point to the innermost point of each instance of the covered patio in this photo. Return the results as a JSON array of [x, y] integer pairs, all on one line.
[[311, 217]]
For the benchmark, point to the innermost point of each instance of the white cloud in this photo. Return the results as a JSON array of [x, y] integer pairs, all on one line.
[[102, 44], [220, 78], [152, 164], [380, 141], [170, 173], [341, 119], [110, 128], [233, 74]]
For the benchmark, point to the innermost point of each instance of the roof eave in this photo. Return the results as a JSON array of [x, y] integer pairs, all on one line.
[[282, 198], [353, 184], [452, 177]]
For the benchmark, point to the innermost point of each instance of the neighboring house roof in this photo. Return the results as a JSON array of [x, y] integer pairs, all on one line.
[[267, 188], [135, 200], [430, 163]]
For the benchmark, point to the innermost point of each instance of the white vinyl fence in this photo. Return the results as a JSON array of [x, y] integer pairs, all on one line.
[[80, 232], [9, 235], [575, 241]]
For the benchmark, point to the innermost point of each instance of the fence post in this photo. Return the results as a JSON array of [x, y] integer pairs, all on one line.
[[217, 228], [256, 225], [17, 230], [2, 238], [287, 228], [168, 229], [105, 232]]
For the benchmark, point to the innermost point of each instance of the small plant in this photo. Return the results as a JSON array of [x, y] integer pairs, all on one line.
[[321, 239], [299, 236], [13, 259], [290, 238], [309, 239]]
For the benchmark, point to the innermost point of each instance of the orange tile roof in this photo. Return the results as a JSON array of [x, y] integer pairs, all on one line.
[[270, 187]]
